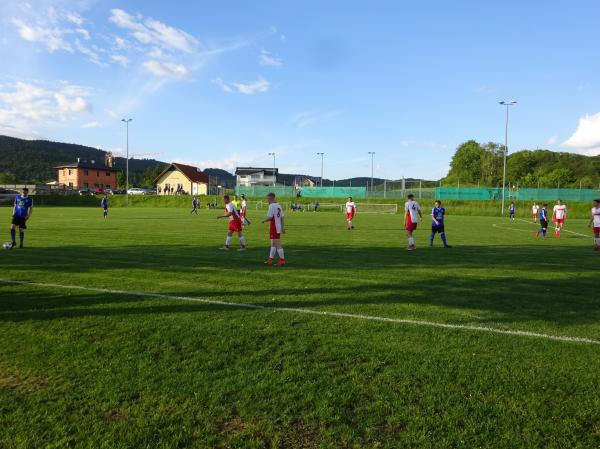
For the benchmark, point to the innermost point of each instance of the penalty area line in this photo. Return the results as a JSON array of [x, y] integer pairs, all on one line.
[[464, 327], [562, 230]]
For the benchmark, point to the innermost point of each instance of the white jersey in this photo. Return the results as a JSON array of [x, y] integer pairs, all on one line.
[[232, 211], [412, 209], [275, 214], [350, 207], [596, 215], [535, 209], [244, 205], [560, 211]]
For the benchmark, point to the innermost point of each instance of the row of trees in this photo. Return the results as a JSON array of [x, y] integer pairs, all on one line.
[[475, 163]]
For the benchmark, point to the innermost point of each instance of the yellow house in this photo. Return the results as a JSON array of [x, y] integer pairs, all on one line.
[[180, 179]]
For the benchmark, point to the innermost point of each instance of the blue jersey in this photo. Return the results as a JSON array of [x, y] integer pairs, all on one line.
[[22, 205], [511, 209], [543, 214], [438, 213], [104, 203], [194, 203]]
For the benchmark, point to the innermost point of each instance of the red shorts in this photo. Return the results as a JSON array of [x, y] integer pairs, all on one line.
[[559, 220], [596, 230], [235, 225], [273, 234], [242, 213], [349, 215]]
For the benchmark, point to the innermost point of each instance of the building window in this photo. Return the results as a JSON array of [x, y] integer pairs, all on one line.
[[70, 185], [107, 173], [98, 174], [70, 172], [85, 185], [85, 173], [108, 186], [96, 185]]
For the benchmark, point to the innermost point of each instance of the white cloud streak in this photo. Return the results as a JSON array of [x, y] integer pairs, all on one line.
[[267, 59], [165, 69], [307, 118], [259, 86]]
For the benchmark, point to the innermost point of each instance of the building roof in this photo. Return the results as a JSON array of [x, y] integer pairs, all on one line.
[[194, 174], [87, 165], [251, 170]]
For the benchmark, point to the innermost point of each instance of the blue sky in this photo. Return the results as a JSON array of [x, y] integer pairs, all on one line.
[[220, 84]]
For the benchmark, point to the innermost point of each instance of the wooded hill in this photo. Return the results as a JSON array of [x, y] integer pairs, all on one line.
[[475, 163]]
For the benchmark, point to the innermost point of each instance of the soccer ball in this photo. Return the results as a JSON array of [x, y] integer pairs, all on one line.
[[7, 245]]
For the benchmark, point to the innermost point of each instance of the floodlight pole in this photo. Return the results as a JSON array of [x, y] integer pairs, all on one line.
[[507, 104], [126, 121], [372, 153], [321, 154], [274, 177]]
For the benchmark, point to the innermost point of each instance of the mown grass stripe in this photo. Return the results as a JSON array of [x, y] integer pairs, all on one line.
[[493, 330]]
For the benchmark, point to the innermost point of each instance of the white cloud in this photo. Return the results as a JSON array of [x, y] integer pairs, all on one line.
[[586, 138], [50, 37], [258, 86], [26, 107], [166, 69], [89, 125], [553, 140], [152, 31], [267, 59], [120, 59], [74, 18], [85, 33], [304, 119]]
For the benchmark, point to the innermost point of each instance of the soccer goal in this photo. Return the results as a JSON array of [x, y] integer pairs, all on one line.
[[372, 208], [362, 208]]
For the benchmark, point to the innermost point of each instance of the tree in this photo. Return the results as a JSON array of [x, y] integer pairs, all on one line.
[[150, 175], [120, 179], [8, 178], [466, 163]]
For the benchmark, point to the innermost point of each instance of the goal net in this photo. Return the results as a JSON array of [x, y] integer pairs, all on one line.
[[361, 208]]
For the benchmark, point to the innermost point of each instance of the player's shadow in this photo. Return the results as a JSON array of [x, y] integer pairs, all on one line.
[[554, 285]]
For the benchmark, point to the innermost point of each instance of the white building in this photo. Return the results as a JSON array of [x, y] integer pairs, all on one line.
[[250, 176]]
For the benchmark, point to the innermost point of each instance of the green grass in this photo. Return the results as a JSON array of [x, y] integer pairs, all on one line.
[[88, 369]]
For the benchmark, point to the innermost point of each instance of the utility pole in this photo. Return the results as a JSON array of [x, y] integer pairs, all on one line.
[[507, 104], [372, 153], [126, 121], [322, 155], [274, 177]]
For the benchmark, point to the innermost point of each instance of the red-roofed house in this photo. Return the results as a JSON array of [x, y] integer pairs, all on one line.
[[182, 179]]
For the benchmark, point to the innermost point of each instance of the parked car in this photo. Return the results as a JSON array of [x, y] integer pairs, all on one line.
[[118, 192], [85, 192], [136, 191], [109, 191], [98, 191], [150, 192]]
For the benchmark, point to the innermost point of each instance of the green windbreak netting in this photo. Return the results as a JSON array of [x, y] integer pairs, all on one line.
[[307, 192], [468, 193], [264, 190], [333, 192], [524, 193], [554, 194]]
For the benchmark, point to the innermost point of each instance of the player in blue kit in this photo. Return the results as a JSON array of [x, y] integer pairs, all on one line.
[[543, 222], [104, 204], [511, 211], [22, 210], [437, 224]]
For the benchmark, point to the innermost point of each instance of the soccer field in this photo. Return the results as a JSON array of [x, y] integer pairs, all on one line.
[[136, 332]]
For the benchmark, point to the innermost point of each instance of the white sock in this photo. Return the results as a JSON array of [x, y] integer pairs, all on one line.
[[243, 240], [597, 242], [280, 252], [411, 241], [228, 241], [272, 252]]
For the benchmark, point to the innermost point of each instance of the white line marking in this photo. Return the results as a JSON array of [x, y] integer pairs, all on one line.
[[562, 230], [492, 330]]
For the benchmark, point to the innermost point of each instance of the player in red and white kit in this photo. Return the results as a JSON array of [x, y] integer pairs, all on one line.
[[276, 228], [559, 215], [412, 215], [350, 213], [244, 212], [595, 221], [235, 225], [534, 211]]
